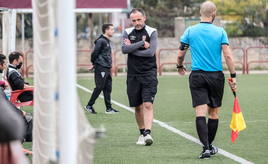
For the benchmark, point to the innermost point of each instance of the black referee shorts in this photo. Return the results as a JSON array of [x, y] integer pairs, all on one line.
[[207, 88], [141, 89]]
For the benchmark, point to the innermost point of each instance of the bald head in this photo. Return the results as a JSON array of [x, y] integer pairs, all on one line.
[[208, 9]]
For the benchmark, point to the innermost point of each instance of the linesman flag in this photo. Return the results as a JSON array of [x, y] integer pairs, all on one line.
[[237, 123]]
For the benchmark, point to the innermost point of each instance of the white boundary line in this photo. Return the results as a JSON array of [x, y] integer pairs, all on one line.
[[176, 131]]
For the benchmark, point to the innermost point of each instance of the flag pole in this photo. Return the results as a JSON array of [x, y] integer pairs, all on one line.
[[234, 92], [237, 123]]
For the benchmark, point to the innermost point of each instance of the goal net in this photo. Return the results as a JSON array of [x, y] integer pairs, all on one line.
[[8, 30], [61, 132]]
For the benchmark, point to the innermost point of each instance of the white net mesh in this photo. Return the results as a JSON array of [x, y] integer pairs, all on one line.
[[46, 80], [86, 139], [9, 31]]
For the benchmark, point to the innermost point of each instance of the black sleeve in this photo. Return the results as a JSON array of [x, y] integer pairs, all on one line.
[[184, 46], [16, 81], [96, 51], [11, 123]]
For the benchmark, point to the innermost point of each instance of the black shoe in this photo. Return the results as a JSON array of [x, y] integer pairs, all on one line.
[[205, 154], [213, 150], [111, 111], [90, 109]]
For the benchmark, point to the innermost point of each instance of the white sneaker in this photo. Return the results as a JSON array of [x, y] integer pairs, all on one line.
[[140, 140], [148, 140], [111, 111]]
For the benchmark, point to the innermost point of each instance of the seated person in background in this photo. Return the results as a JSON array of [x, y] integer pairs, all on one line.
[[11, 134], [3, 62], [14, 77], [26, 117]]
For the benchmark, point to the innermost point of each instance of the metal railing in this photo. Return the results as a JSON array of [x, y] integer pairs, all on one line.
[[249, 62], [244, 60]]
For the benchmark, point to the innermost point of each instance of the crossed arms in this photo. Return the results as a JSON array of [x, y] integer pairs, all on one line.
[[133, 48]]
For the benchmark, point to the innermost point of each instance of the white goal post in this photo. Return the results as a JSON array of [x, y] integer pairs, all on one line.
[[62, 133], [8, 30]]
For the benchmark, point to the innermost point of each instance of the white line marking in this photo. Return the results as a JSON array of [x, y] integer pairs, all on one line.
[[176, 131]]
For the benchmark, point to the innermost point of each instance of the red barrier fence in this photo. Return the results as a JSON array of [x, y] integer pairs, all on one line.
[[88, 64], [84, 61], [249, 62], [160, 65], [27, 66], [244, 61], [116, 66], [174, 61]]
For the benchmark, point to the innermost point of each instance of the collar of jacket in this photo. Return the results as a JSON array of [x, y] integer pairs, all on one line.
[[207, 22], [102, 36], [143, 28], [12, 66]]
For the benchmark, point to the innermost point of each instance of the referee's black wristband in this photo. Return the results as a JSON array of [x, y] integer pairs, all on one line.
[[179, 66], [233, 75]]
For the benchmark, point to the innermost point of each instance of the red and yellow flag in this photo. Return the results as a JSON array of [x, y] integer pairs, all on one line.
[[237, 123]]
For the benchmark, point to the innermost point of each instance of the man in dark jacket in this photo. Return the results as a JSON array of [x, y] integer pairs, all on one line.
[[27, 117], [11, 133], [101, 59], [12, 129], [3, 64], [14, 77], [140, 43]]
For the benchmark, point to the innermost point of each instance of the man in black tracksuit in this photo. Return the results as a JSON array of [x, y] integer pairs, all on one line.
[[14, 77], [101, 59], [140, 43]]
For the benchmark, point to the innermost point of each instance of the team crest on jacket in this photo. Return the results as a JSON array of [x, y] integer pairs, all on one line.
[[144, 37], [132, 37], [102, 74]]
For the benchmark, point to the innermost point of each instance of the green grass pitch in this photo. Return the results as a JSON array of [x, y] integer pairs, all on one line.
[[173, 106]]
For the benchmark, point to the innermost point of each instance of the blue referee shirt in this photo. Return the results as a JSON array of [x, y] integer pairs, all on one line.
[[205, 41]]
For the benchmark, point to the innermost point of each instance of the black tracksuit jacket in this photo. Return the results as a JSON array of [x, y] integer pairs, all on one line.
[[102, 53]]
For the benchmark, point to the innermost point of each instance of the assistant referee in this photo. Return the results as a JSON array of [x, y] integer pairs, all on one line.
[[206, 42]]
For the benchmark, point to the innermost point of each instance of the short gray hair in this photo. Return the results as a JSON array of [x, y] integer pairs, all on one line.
[[135, 10], [207, 9]]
